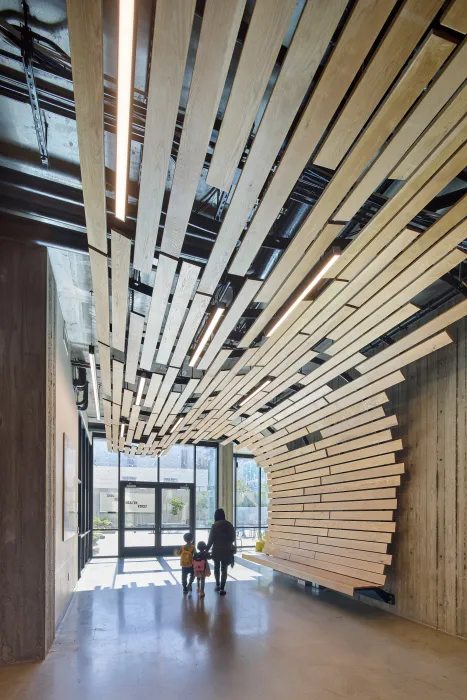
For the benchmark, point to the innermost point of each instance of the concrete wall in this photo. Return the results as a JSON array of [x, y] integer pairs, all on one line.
[[429, 570], [226, 494], [26, 467], [66, 421]]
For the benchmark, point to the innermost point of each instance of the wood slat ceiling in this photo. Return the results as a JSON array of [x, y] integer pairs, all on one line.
[[370, 91]]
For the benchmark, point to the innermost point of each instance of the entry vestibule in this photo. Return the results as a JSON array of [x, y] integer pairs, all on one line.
[[143, 505]]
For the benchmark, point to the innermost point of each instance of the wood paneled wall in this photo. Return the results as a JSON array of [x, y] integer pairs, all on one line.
[[429, 568], [26, 516]]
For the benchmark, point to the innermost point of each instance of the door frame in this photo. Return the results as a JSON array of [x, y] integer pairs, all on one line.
[[157, 549]]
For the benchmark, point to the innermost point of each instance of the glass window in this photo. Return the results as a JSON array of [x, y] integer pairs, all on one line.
[[206, 489], [105, 500], [136, 468], [178, 465], [251, 501]]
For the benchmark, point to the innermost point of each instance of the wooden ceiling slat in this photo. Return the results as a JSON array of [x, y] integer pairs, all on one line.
[[434, 174], [219, 29], [153, 388], [107, 411], [166, 268], [394, 50], [317, 24], [169, 403], [117, 381], [188, 391], [359, 33], [315, 229], [166, 386], [172, 31], [438, 95], [182, 295], [135, 335], [266, 31], [104, 362], [195, 315], [116, 408], [85, 29], [100, 289], [120, 258], [455, 16], [139, 429], [433, 136], [126, 403]]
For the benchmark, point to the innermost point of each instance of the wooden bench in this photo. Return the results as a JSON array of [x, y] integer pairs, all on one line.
[[337, 582]]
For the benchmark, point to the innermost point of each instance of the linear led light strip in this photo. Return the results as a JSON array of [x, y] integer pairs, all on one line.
[[126, 20], [122, 429], [305, 292], [213, 323], [256, 391], [174, 428], [92, 362], [139, 395]]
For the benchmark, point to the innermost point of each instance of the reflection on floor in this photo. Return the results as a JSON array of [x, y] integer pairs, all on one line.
[[113, 573], [127, 636]]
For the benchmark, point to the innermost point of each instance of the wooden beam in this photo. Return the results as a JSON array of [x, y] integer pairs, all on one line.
[[154, 384]]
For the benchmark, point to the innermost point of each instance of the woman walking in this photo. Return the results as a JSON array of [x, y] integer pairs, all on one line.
[[221, 539]]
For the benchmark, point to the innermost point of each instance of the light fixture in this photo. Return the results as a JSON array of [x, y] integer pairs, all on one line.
[[256, 391], [305, 292], [92, 362], [122, 430], [126, 20], [139, 395], [213, 323], [176, 425]]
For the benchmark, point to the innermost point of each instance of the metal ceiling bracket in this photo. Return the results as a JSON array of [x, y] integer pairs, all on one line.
[[27, 54]]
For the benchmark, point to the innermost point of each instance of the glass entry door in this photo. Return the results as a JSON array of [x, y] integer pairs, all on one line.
[[154, 517]]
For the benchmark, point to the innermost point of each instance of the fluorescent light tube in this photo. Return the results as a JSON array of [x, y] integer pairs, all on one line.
[[214, 321], [139, 395], [176, 425], [305, 292], [92, 362], [126, 21], [122, 430], [256, 391]]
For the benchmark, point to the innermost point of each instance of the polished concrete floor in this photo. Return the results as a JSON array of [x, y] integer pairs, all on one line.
[[131, 634]]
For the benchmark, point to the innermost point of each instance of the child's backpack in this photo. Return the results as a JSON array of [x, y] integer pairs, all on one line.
[[186, 555], [199, 566]]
